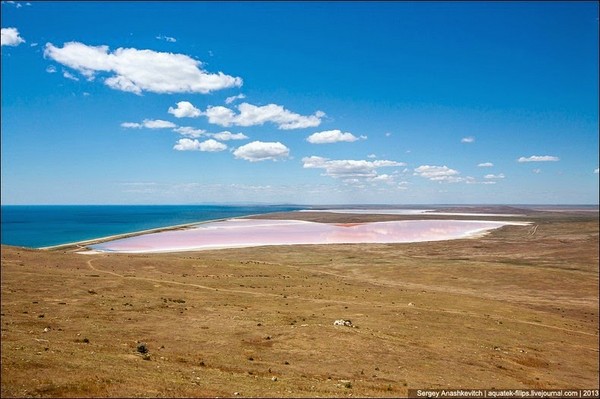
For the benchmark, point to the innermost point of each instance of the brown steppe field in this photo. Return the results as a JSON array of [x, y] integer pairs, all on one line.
[[515, 309]]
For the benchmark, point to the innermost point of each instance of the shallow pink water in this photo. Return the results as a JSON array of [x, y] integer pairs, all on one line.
[[251, 232]]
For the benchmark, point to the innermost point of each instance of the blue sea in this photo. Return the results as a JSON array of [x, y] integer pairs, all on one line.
[[41, 226]]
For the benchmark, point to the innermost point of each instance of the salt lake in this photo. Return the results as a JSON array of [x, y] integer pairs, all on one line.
[[235, 233]]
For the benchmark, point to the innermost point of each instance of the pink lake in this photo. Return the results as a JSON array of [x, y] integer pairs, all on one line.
[[235, 233]]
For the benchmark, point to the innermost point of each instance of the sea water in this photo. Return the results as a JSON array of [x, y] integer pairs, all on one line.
[[37, 226]]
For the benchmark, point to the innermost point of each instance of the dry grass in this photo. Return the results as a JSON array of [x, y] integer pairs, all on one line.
[[509, 310]]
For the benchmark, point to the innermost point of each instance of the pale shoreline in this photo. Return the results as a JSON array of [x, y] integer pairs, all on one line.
[[409, 212]]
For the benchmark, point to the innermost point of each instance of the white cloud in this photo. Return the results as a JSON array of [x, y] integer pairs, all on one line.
[[384, 178], [491, 176], [15, 3], [131, 125], [185, 109], [539, 158], [149, 124], [438, 173], [187, 145], [261, 151], [371, 156], [596, 171], [209, 145], [137, 71], [189, 131], [166, 38], [485, 165], [221, 136], [68, 75], [348, 168], [252, 115], [158, 124], [231, 99], [122, 83], [537, 171], [10, 37], [469, 139], [331, 136], [226, 136], [220, 115], [51, 69]]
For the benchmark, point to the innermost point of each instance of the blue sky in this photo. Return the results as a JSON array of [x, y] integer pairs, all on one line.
[[299, 102]]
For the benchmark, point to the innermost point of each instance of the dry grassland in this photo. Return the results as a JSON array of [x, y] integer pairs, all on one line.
[[517, 308]]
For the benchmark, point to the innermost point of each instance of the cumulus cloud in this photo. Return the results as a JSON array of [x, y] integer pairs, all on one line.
[[185, 109], [187, 145], [469, 139], [209, 145], [189, 131], [226, 136], [231, 99], [10, 37], [149, 124], [384, 178], [485, 165], [596, 171], [438, 173], [331, 136], [137, 71], [348, 168], [51, 69], [539, 158], [537, 171], [262, 151], [252, 115], [492, 176]]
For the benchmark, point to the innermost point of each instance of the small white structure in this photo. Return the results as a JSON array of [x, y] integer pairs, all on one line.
[[342, 322]]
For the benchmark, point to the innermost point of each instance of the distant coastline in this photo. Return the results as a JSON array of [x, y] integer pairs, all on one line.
[[76, 226]]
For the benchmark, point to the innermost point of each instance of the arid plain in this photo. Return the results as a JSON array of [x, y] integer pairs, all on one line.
[[516, 308]]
